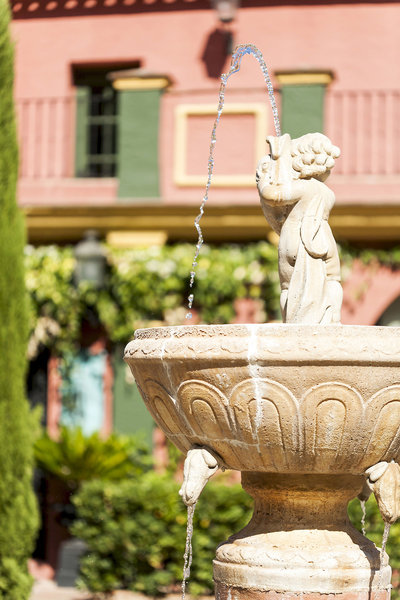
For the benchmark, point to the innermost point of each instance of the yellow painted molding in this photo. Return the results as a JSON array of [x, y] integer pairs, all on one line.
[[304, 77], [141, 83], [132, 239], [365, 223], [184, 111]]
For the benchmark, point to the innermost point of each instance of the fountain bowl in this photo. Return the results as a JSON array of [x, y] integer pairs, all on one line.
[[275, 398]]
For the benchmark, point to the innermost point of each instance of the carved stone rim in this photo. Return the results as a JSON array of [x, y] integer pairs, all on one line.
[[270, 343]]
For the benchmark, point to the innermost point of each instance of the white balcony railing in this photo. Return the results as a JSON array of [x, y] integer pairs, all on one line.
[[364, 124], [366, 127], [47, 137]]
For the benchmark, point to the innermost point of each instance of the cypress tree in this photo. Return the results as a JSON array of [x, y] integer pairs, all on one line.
[[18, 511]]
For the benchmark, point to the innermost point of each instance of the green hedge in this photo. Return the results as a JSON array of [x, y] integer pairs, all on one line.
[[135, 532]]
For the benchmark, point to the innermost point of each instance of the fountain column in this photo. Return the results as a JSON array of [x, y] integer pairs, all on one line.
[[300, 542]]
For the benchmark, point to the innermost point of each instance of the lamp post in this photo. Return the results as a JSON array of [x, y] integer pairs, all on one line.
[[226, 11], [90, 261]]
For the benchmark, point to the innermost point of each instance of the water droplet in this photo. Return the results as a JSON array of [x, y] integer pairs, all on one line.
[[189, 315]]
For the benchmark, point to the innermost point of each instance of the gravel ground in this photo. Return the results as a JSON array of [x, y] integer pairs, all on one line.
[[48, 590]]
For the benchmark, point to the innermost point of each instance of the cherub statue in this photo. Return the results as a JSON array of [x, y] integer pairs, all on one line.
[[297, 203]]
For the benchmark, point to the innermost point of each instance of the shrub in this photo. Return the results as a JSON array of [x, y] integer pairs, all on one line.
[[135, 532], [19, 520], [74, 458]]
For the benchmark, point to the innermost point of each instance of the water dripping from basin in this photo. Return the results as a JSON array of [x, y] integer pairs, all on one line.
[[188, 555], [385, 537], [363, 516]]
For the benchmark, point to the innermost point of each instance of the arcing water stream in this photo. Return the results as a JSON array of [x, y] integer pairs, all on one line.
[[236, 60]]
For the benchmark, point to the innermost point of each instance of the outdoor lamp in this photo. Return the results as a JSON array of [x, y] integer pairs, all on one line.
[[226, 9], [90, 261]]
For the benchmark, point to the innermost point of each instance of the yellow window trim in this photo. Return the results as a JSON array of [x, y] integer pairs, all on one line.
[[141, 83], [184, 111], [304, 77]]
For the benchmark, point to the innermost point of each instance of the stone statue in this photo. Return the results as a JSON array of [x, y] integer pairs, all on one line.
[[383, 479], [200, 466], [297, 203]]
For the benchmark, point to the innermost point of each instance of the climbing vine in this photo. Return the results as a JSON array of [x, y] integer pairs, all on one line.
[[149, 286], [144, 287]]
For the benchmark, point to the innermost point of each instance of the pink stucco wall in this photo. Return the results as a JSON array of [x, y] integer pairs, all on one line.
[[360, 42]]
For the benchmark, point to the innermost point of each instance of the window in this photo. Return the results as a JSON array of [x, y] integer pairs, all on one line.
[[96, 121], [117, 127], [98, 110]]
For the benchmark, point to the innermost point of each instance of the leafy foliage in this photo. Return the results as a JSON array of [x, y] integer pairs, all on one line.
[[18, 511], [145, 287], [135, 532], [75, 458], [149, 286]]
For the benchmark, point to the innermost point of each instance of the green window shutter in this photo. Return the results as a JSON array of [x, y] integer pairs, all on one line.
[[302, 109], [138, 168], [130, 415], [302, 101], [82, 130]]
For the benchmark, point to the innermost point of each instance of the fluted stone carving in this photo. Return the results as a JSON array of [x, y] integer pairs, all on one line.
[[303, 412], [319, 415]]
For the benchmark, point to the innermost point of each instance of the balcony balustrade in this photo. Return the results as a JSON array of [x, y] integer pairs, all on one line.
[[47, 137], [366, 126]]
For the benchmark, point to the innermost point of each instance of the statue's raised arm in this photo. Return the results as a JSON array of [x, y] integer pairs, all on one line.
[[297, 203]]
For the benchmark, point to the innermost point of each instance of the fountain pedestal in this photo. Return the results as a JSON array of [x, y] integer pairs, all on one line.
[[303, 412], [308, 410], [300, 541]]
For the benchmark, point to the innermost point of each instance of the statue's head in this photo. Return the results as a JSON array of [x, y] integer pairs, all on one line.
[[313, 155], [309, 156]]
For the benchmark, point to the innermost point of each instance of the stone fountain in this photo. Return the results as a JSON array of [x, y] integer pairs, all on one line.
[[307, 410]]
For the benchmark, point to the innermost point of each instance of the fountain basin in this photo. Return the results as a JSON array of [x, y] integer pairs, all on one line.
[[275, 398]]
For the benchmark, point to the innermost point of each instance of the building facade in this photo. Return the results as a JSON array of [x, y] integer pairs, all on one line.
[[116, 101]]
